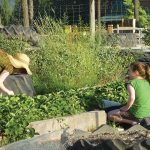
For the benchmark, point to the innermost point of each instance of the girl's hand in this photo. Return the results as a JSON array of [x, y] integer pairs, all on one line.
[[10, 93], [124, 108]]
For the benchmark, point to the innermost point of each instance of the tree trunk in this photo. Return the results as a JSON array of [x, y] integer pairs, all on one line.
[[25, 13], [99, 13], [92, 17], [30, 11], [136, 11]]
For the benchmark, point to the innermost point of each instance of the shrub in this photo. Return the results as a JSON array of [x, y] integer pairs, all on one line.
[[112, 60], [65, 60], [13, 44], [16, 112], [146, 37]]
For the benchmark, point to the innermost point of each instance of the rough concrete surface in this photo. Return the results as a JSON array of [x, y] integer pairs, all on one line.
[[85, 121]]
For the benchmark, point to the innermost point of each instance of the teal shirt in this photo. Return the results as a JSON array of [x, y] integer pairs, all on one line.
[[141, 106]]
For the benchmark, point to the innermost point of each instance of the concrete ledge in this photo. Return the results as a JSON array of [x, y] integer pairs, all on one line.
[[49, 141], [84, 121]]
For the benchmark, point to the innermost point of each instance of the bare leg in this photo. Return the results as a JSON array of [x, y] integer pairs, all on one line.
[[115, 115]]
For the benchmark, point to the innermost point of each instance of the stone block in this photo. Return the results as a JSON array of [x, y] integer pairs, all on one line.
[[86, 121], [20, 84]]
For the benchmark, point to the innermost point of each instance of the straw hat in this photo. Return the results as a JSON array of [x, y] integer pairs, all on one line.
[[20, 60]]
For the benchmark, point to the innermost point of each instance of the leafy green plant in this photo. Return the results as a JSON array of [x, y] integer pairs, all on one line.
[[65, 60], [6, 12], [13, 44], [146, 37], [18, 111], [143, 17], [115, 91], [14, 117]]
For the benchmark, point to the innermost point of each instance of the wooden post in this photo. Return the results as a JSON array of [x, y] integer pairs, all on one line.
[[117, 28], [92, 17], [134, 25], [110, 28]]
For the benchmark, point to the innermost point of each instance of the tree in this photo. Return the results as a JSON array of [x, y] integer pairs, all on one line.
[[134, 10], [25, 13], [30, 10], [6, 12]]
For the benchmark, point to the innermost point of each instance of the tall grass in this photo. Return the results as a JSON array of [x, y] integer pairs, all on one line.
[[65, 60]]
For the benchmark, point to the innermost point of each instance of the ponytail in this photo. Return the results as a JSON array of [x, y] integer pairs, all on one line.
[[147, 73]]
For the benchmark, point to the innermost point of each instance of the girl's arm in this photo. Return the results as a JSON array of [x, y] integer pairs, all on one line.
[[131, 98], [3, 76]]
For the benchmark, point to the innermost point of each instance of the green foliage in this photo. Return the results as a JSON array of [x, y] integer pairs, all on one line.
[[17, 15], [74, 60], [65, 60], [112, 60], [12, 45], [14, 116], [143, 17], [130, 9], [18, 111], [69, 60], [6, 12], [115, 91], [146, 37]]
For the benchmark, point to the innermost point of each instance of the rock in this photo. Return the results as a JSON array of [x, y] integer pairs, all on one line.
[[141, 145], [20, 84], [78, 132], [145, 122], [105, 129], [115, 144], [136, 128], [49, 141], [27, 33]]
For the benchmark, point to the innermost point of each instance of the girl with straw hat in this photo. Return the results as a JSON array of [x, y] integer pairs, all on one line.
[[12, 65]]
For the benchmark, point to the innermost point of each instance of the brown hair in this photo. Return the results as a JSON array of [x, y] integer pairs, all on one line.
[[143, 69]]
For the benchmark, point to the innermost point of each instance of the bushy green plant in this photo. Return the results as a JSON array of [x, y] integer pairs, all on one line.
[[69, 60], [113, 62], [73, 60], [13, 44], [146, 37], [18, 111], [6, 12], [115, 91], [65, 60], [143, 16], [103, 38]]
